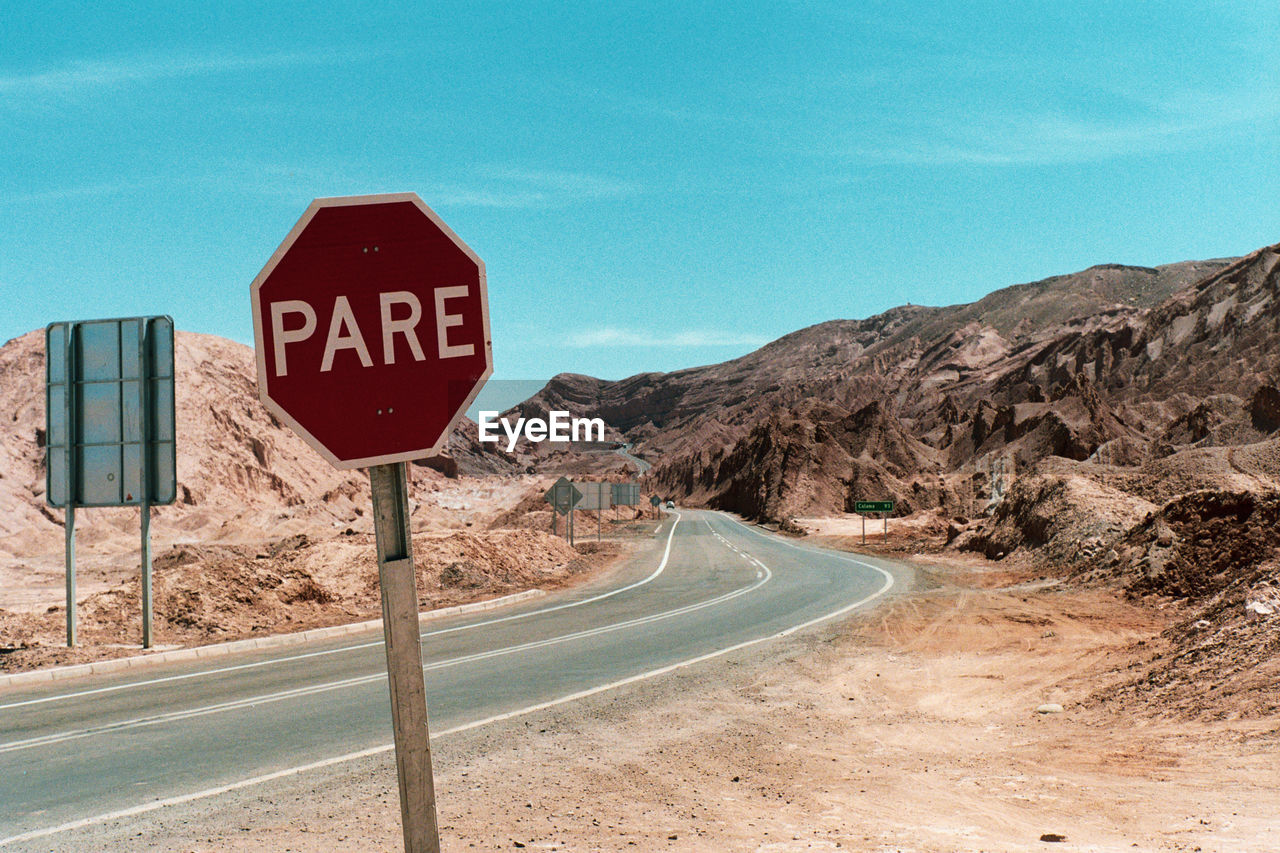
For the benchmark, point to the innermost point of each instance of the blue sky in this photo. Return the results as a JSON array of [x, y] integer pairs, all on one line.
[[652, 185]]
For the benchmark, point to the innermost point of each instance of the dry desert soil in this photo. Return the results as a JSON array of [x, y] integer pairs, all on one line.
[[911, 728]]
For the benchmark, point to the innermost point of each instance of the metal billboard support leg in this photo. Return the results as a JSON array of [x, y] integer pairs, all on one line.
[[146, 372], [70, 365], [146, 575], [389, 484], [71, 574]]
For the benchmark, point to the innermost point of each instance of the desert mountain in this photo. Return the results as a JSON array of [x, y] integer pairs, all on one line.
[[983, 390], [892, 356]]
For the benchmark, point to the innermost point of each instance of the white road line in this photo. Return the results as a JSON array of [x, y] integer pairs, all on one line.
[[662, 565], [262, 699], [822, 552], [387, 747]]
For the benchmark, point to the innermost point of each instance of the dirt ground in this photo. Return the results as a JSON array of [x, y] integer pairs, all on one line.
[[313, 575], [912, 728]]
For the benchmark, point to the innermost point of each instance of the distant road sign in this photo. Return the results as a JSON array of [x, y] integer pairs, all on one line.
[[563, 496], [655, 500], [595, 496], [372, 329], [872, 506], [624, 494], [109, 413]]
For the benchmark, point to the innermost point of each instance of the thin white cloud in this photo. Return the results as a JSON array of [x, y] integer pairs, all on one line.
[[85, 77], [514, 190], [1047, 137], [462, 197], [81, 191], [614, 337], [579, 184]]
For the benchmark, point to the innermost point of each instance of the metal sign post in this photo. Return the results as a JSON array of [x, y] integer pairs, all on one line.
[[882, 507], [597, 497], [146, 368], [69, 466], [398, 581], [563, 497], [71, 575]]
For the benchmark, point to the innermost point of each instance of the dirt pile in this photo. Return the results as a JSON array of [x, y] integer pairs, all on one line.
[[1218, 555], [532, 512], [212, 593], [1060, 517]]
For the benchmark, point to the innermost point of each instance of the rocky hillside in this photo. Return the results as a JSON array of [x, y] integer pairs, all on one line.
[[1061, 367], [850, 363]]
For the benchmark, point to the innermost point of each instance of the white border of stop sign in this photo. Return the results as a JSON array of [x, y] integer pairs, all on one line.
[[337, 340]]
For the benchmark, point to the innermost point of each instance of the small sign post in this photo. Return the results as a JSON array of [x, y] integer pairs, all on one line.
[[407, 349], [624, 494], [595, 496], [563, 497], [864, 507]]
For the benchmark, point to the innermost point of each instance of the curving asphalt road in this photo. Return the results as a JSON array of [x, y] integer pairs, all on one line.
[[107, 747], [641, 466]]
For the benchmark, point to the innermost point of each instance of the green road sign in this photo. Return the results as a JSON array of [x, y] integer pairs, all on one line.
[[655, 500], [872, 506]]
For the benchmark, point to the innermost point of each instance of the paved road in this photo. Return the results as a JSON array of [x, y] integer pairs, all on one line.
[[73, 753], [641, 466]]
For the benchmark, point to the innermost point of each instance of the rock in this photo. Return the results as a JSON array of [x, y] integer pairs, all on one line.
[[1049, 708], [1264, 409], [443, 463], [1053, 837], [1258, 610]]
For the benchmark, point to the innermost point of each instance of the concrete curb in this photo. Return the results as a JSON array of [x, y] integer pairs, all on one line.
[[274, 641]]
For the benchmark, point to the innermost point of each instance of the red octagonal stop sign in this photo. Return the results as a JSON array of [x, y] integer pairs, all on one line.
[[372, 329]]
